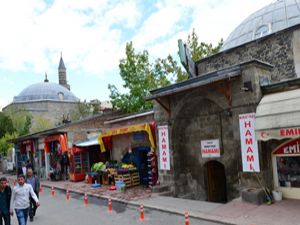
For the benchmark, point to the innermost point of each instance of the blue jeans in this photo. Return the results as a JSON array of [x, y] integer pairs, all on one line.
[[22, 215]]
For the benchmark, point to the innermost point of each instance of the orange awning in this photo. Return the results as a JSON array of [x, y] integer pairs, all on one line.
[[125, 130], [61, 138]]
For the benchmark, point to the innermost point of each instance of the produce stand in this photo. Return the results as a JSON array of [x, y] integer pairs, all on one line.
[[130, 178]]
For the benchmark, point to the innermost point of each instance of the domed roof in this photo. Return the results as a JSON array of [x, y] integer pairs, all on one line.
[[270, 19], [45, 91]]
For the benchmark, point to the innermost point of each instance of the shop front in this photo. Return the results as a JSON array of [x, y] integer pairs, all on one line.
[[24, 152], [132, 159], [278, 126], [56, 155]]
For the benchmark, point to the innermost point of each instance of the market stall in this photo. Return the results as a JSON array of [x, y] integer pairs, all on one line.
[[133, 159], [55, 146]]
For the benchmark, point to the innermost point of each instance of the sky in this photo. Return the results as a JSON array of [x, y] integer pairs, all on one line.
[[91, 35]]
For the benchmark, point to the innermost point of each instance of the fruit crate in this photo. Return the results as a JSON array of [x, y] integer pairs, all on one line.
[[126, 178], [135, 179]]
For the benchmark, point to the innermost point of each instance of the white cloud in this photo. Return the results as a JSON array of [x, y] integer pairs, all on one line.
[[91, 33]]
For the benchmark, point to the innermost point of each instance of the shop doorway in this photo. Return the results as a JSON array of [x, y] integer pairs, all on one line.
[[139, 158], [215, 182]]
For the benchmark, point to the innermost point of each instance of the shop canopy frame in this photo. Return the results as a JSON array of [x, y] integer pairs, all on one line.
[[125, 130], [278, 116]]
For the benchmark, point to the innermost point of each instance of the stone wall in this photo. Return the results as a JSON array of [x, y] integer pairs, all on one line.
[[277, 49], [202, 114], [49, 110]]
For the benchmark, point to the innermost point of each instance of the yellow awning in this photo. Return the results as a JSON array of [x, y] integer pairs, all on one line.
[[125, 130]]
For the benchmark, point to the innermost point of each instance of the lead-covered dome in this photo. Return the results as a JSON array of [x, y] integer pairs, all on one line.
[[270, 19], [45, 91]]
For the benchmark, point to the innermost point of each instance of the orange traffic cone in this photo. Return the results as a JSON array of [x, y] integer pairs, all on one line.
[[86, 199], [187, 222], [68, 195], [52, 191], [109, 206], [41, 188], [142, 215]]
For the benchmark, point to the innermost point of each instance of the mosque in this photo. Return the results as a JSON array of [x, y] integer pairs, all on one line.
[[51, 101]]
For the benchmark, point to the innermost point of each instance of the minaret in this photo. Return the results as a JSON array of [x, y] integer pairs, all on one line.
[[62, 73]]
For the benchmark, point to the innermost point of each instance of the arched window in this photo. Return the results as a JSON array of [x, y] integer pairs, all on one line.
[[261, 31], [60, 95]]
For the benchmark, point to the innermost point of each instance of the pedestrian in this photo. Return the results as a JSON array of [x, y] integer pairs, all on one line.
[[29, 165], [5, 195], [20, 200], [24, 169], [35, 184], [65, 165]]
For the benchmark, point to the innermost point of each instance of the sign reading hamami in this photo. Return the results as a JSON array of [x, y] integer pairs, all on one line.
[[210, 148], [248, 143], [164, 151]]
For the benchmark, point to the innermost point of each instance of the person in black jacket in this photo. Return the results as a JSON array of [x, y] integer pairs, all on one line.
[[35, 183], [5, 195]]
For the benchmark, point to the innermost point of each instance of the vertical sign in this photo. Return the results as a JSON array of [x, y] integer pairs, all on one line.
[[164, 153], [248, 143]]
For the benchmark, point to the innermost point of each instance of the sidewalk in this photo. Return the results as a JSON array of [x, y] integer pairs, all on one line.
[[285, 212]]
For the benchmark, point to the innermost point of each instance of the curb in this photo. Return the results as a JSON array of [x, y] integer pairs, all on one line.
[[145, 205]]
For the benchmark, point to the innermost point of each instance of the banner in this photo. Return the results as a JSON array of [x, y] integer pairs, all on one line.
[[125, 130], [164, 151], [210, 148], [248, 143]]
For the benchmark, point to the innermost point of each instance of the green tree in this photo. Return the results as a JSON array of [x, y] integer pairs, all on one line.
[[21, 120], [5, 145], [201, 50], [40, 124], [6, 125], [140, 75]]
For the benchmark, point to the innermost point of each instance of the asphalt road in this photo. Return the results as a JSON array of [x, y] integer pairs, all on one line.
[[57, 211]]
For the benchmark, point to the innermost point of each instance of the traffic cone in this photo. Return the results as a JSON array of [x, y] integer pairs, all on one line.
[[68, 195], [52, 191], [41, 188], [86, 199], [187, 222], [142, 215], [109, 206]]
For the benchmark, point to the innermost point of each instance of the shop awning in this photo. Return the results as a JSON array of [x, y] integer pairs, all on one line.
[[125, 130], [61, 138], [92, 141], [278, 116]]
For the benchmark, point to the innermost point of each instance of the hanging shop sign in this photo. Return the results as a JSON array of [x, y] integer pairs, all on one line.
[[291, 147], [164, 151], [210, 148], [279, 134], [248, 143]]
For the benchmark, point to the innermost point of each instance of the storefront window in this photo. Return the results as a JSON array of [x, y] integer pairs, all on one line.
[[288, 168]]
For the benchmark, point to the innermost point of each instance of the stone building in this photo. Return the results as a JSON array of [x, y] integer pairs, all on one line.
[[260, 57], [47, 100]]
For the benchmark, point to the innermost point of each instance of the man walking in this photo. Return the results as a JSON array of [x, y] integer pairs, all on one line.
[[35, 184], [5, 195], [20, 200]]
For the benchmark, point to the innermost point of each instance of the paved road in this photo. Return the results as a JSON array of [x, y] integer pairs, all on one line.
[[57, 211]]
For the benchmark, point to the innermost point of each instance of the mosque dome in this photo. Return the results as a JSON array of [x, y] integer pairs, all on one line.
[[274, 17], [45, 91]]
